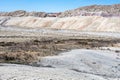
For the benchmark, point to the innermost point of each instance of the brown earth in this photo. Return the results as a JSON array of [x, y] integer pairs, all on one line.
[[26, 52]]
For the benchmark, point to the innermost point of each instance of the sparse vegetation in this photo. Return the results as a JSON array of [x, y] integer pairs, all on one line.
[[29, 51], [18, 57]]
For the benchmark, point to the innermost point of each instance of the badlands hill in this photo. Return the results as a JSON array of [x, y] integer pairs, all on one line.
[[93, 10], [22, 13], [88, 18], [82, 23]]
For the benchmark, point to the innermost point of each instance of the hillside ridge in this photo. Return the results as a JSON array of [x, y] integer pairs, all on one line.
[[92, 10]]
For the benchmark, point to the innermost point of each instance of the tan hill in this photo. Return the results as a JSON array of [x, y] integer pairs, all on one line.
[[82, 23], [88, 18]]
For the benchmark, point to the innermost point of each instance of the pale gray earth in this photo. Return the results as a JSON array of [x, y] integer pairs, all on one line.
[[79, 64], [20, 72]]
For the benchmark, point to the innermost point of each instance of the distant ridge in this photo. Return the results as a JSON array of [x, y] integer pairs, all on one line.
[[93, 10], [22, 13]]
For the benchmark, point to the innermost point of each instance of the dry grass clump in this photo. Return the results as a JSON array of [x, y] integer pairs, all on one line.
[[18, 57], [23, 57]]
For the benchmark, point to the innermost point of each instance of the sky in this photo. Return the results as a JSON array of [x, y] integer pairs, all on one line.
[[50, 5]]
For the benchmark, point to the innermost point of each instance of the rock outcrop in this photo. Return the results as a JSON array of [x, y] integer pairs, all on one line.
[[94, 10], [22, 13]]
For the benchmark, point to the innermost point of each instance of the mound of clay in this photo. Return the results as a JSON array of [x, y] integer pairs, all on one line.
[[83, 23]]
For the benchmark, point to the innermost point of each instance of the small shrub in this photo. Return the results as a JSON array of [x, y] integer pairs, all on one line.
[[18, 57]]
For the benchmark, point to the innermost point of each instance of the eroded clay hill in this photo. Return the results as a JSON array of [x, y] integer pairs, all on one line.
[[92, 10], [83, 23]]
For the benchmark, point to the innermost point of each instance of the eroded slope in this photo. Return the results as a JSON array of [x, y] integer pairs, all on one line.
[[88, 23]]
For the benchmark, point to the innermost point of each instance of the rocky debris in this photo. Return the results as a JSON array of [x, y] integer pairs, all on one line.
[[94, 10], [22, 13]]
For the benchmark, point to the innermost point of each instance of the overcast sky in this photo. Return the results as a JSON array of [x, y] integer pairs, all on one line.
[[50, 5]]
